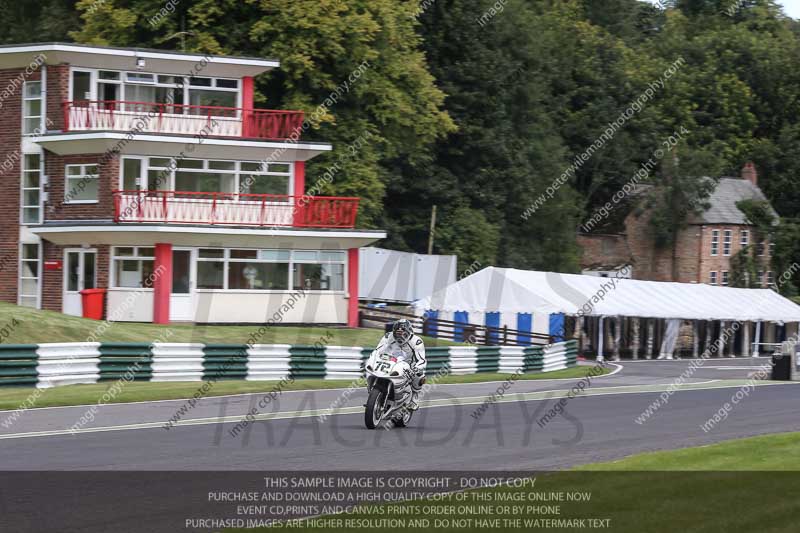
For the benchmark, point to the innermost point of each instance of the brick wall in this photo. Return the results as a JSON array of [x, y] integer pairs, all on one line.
[[603, 250], [10, 172], [58, 209], [721, 262], [57, 94], [53, 281]]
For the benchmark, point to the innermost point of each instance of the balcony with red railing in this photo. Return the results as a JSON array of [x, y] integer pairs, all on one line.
[[234, 209], [179, 119]]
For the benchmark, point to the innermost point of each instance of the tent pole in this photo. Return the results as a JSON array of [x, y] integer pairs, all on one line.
[[758, 338], [721, 340], [695, 339], [746, 339], [635, 341], [600, 334], [709, 332], [650, 340], [732, 343], [617, 336]]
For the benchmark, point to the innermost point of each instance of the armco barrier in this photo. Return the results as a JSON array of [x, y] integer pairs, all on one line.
[[49, 365], [18, 364]]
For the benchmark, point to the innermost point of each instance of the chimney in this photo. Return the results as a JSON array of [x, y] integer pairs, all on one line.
[[749, 173]]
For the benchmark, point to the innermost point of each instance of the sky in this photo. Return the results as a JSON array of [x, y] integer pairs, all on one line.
[[790, 7]]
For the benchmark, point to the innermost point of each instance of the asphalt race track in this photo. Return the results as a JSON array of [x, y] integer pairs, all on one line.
[[600, 424]]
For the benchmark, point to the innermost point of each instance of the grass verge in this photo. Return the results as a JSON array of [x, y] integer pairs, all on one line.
[[33, 326], [13, 397], [736, 486]]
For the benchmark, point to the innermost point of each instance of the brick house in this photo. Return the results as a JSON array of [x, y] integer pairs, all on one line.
[[150, 174], [703, 250]]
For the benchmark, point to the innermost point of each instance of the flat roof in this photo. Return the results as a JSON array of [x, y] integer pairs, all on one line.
[[120, 58]]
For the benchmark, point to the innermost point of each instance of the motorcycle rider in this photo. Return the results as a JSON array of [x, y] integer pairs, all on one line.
[[402, 339]]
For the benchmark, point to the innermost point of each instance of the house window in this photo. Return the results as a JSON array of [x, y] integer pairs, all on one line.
[[772, 249], [713, 277], [760, 248], [770, 279], [318, 271], [132, 267], [715, 242], [760, 278], [212, 176], [31, 107], [32, 189], [29, 275], [270, 270], [81, 184], [744, 237], [726, 243], [724, 278]]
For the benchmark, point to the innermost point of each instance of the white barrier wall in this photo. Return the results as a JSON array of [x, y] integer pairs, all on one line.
[[177, 362], [342, 362], [463, 360], [268, 362], [68, 363]]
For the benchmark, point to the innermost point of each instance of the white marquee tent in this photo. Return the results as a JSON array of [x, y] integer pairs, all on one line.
[[508, 290]]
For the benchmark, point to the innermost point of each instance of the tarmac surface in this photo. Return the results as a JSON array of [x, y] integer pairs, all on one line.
[[643, 406]]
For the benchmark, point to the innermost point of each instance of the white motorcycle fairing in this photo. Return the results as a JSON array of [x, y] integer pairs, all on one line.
[[389, 386]]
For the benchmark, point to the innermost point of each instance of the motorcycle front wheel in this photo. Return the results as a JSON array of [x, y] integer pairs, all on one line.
[[374, 409], [403, 420]]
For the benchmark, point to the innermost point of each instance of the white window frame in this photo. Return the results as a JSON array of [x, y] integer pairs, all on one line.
[[83, 174], [760, 278], [714, 242], [135, 257], [23, 189], [770, 278], [727, 242], [141, 181], [744, 237], [38, 279], [123, 80], [239, 175], [724, 278], [713, 279], [25, 99], [226, 260]]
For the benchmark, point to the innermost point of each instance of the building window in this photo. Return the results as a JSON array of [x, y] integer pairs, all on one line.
[[724, 278], [744, 237], [770, 279], [209, 176], [81, 184], [760, 246], [32, 189], [318, 271], [261, 270], [726, 243], [715, 242], [713, 277], [31, 107], [29, 275], [760, 278], [132, 267], [772, 249], [270, 270]]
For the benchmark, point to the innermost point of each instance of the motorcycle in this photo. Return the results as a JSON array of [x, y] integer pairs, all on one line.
[[389, 378]]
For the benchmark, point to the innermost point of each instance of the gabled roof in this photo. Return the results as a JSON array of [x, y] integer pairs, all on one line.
[[724, 198]]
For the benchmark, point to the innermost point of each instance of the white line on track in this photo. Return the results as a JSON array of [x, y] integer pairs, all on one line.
[[246, 394], [452, 402]]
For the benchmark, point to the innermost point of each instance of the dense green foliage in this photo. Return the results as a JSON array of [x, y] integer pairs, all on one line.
[[480, 107]]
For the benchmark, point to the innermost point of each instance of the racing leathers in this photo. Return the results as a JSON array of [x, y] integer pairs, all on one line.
[[414, 351]]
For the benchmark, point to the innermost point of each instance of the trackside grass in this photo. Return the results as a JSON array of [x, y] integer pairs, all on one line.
[[742, 485], [32, 326], [12, 397]]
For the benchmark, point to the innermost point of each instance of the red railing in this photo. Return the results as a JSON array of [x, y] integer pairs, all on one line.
[[104, 115], [234, 209]]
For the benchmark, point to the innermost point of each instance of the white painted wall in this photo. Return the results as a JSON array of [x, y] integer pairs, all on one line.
[[130, 305], [258, 307]]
